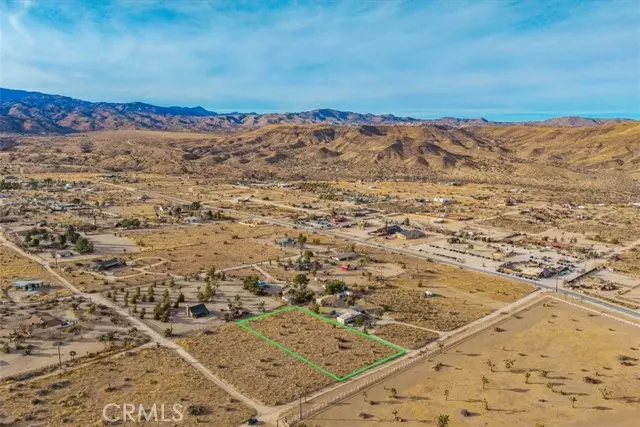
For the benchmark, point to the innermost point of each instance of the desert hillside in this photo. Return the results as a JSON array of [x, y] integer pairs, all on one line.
[[605, 156]]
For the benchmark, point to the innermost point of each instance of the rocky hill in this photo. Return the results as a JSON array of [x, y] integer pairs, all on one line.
[[23, 112], [606, 157]]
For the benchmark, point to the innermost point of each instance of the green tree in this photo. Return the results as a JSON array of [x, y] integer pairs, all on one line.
[[335, 286], [301, 240], [443, 420], [83, 246], [250, 283]]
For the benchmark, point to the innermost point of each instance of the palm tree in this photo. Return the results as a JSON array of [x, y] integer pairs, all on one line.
[[446, 394], [485, 382], [395, 414], [550, 386], [443, 420], [573, 401], [491, 365], [527, 375], [72, 354]]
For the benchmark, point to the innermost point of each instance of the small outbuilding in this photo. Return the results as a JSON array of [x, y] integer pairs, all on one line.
[[345, 256], [43, 320], [198, 310], [28, 285], [286, 242], [410, 234], [107, 265], [348, 317]]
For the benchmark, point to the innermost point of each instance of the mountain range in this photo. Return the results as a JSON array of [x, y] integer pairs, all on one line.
[[24, 112]]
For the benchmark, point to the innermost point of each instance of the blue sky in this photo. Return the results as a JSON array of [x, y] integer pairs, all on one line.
[[503, 60]]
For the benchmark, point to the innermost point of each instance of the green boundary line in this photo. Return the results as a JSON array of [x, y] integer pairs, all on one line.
[[244, 325]]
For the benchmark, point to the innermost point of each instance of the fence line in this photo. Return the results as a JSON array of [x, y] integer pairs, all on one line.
[[289, 421]]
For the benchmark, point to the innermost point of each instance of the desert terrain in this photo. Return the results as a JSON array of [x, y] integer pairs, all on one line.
[[270, 271]]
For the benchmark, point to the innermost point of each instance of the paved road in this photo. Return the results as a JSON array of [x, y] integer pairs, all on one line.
[[403, 251], [155, 336]]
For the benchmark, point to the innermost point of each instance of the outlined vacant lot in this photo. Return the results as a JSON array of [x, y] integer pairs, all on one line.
[[336, 350]]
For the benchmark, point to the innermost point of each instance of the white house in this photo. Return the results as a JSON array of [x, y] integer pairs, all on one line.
[[348, 316]]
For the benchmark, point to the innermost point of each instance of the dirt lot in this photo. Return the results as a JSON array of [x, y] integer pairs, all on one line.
[[605, 231], [628, 262], [143, 378], [517, 223], [568, 352], [195, 249], [405, 336], [338, 350], [432, 275], [83, 331], [439, 313], [256, 368]]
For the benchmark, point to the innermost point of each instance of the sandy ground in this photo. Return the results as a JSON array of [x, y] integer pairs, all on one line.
[[197, 248], [628, 262], [149, 376], [338, 350], [557, 344], [405, 336], [253, 366]]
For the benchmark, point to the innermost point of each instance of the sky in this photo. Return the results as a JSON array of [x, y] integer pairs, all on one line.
[[502, 60]]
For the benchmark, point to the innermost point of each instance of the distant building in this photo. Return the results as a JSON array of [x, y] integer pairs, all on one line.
[[329, 300], [410, 234], [349, 316], [387, 230], [27, 285], [444, 200], [337, 219], [43, 320], [345, 256], [286, 242], [198, 310], [107, 264]]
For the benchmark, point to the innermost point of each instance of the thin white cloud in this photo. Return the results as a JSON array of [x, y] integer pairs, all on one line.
[[382, 56]]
